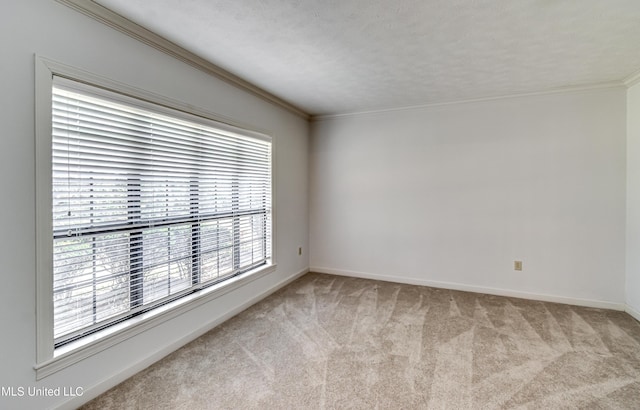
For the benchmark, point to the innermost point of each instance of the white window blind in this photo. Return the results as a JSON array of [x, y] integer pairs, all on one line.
[[149, 205]]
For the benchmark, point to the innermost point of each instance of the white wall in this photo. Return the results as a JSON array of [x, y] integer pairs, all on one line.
[[451, 195], [633, 201], [59, 33]]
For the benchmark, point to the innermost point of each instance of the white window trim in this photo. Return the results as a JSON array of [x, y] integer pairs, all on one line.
[[48, 359]]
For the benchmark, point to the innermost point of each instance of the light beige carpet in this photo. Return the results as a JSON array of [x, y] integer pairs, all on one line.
[[335, 343]]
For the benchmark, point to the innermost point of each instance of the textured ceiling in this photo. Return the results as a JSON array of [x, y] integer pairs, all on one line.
[[341, 56]]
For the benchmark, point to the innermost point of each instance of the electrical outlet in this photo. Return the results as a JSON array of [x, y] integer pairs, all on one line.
[[517, 265], [300, 251]]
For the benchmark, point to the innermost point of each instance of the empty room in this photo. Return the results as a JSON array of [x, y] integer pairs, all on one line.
[[292, 204]]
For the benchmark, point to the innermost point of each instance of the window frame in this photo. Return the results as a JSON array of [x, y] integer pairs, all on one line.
[[50, 359]]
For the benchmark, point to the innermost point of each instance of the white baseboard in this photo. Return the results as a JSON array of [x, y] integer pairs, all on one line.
[[635, 313], [472, 288], [113, 380]]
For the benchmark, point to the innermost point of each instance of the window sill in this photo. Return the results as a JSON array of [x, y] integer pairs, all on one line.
[[88, 346]]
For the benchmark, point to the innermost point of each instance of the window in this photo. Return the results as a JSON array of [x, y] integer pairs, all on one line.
[[149, 205]]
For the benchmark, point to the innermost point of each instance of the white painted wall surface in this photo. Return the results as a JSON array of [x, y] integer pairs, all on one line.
[[59, 33], [451, 195], [633, 201]]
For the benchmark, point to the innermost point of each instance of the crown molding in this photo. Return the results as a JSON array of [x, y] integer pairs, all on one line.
[[136, 31], [561, 90], [632, 80]]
